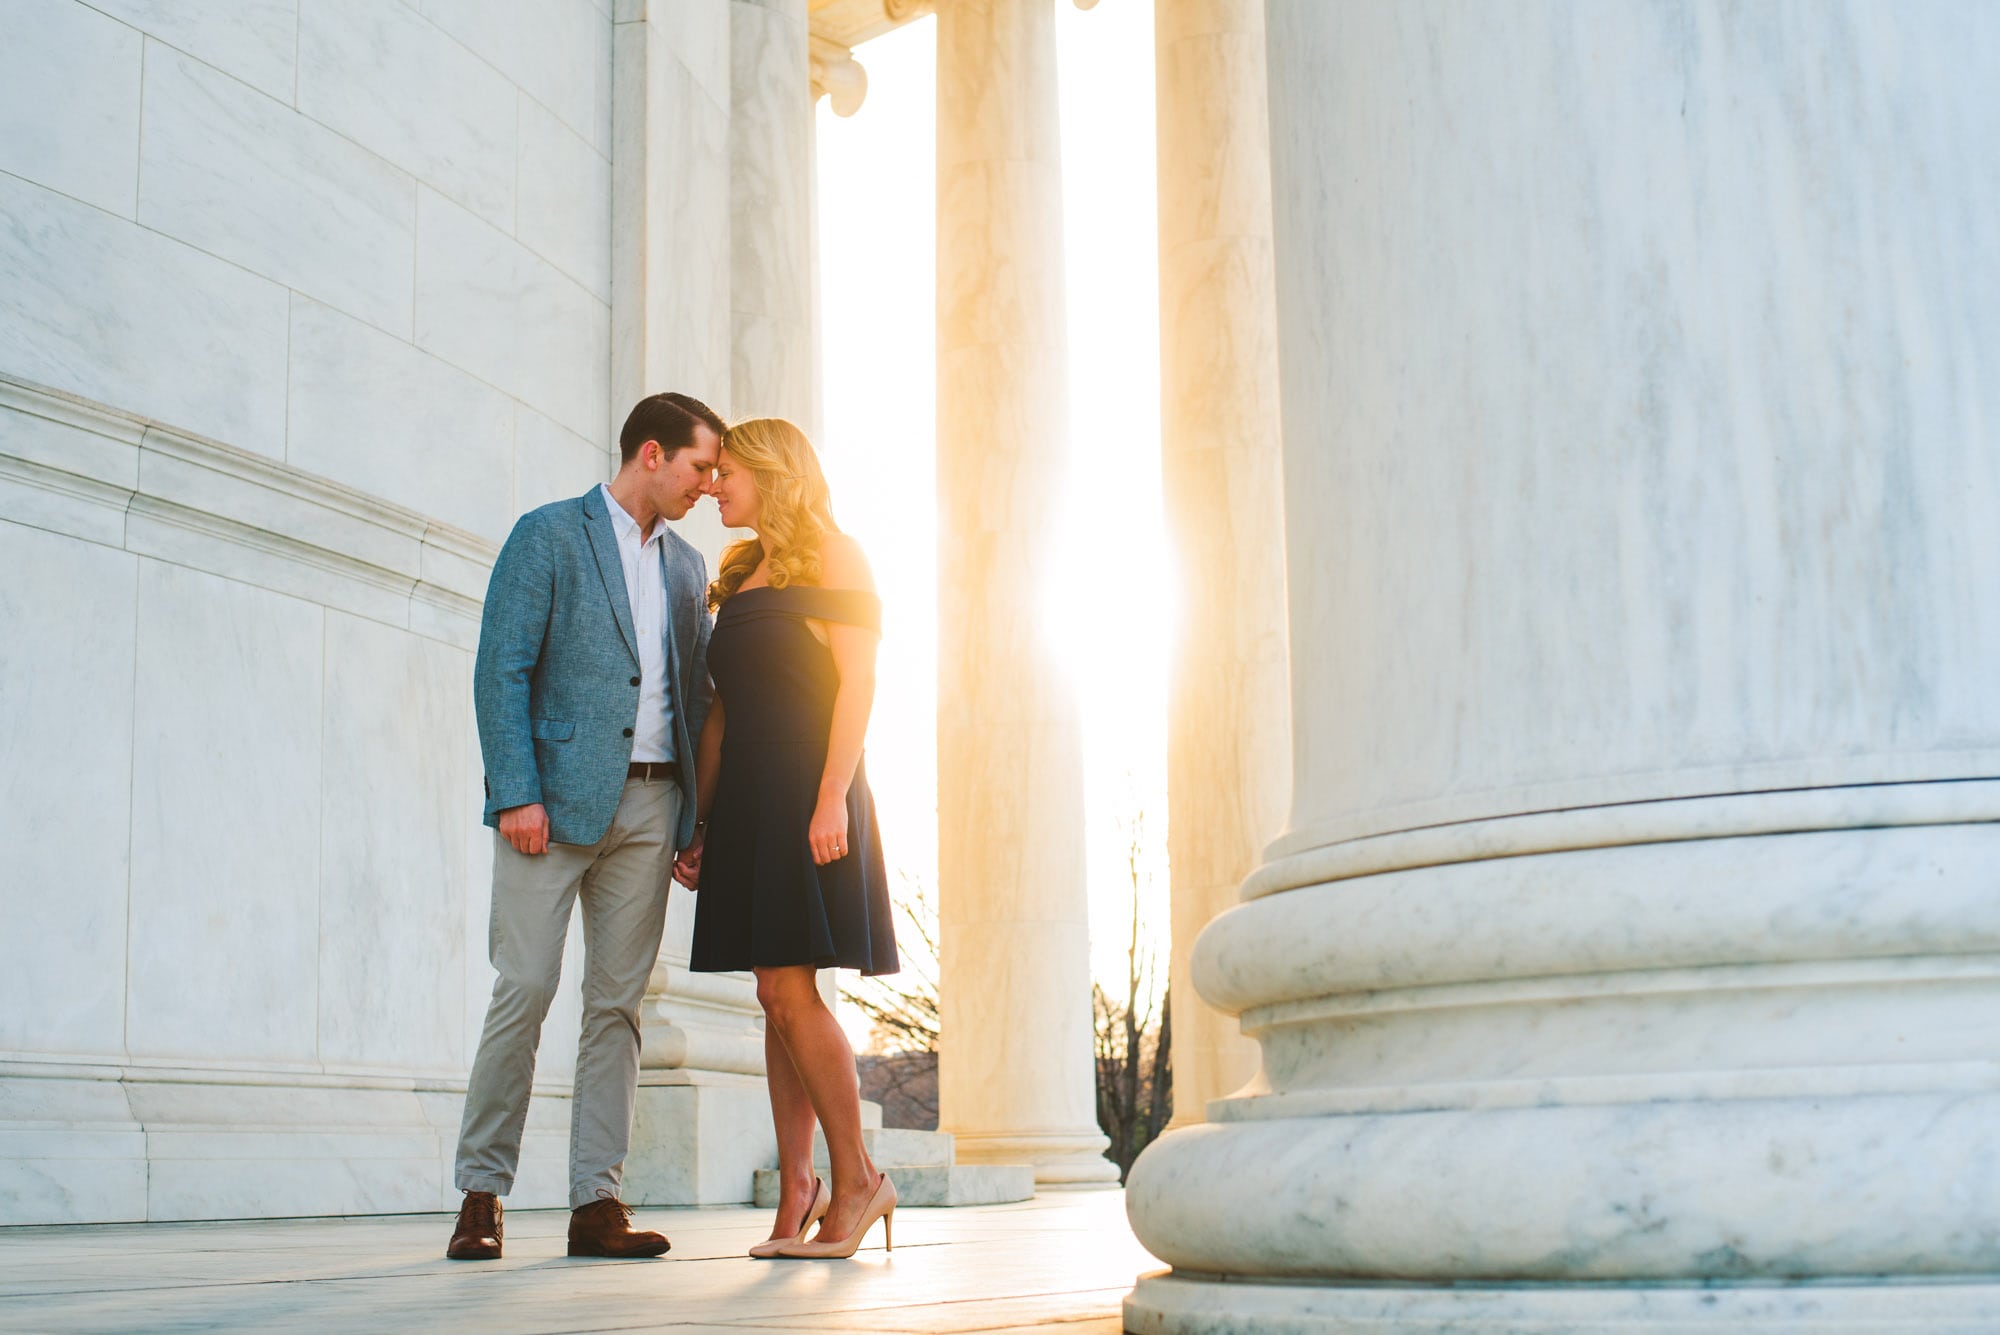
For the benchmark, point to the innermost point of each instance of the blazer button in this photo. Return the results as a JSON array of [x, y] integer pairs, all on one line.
[[628, 732], [635, 681]]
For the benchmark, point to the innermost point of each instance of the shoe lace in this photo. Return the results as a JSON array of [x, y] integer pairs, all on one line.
[[605, 1197], [479, 1211]]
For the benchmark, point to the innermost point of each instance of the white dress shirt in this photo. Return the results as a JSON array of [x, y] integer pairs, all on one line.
[[646, 588]]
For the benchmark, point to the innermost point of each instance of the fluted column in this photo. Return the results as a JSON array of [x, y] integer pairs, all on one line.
[[1015, 1081], [1633, 949], [773, 363], [1228, 723]]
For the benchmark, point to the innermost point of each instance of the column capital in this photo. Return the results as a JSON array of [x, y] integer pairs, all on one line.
[[838, 75]]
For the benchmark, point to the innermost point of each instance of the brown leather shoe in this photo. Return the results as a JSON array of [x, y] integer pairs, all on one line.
[[604, 1228], [476, 1236]]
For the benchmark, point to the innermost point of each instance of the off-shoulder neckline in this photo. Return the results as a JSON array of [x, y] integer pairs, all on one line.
[[802, 588]]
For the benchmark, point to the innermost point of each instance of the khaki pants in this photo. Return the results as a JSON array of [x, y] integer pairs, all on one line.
[[622, 880]]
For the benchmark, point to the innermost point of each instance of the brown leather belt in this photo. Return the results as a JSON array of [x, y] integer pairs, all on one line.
[[650, 770]]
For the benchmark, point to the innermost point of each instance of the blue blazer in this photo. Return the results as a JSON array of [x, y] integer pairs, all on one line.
[[554, 682]]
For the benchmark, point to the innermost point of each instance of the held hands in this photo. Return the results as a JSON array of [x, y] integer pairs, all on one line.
[[687, 863], [828, 832], [526, 828]]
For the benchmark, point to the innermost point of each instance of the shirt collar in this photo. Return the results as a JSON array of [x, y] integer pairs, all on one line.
[[626, 525]]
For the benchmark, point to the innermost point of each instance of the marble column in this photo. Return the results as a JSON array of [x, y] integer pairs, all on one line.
[[773, 365], [1630, 956], [670, 183], [1229, 723], [700, 1130], [1015, 1073]]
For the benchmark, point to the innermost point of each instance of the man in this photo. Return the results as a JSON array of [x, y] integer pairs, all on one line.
[[590, 684]]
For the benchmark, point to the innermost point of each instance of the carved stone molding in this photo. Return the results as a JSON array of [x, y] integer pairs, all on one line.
[[838, 75], [849, 23]]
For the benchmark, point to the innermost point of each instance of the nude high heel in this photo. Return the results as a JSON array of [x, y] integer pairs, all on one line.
[[822, 1200], [882, 1205]]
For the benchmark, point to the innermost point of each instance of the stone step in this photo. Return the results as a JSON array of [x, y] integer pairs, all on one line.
[[935, 1184], [894, 1145]]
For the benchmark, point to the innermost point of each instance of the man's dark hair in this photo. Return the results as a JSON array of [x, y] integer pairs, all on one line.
[[667, 418]]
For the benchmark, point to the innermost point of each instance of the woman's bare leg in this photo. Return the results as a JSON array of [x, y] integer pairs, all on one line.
[[792, 1115], [824, 1063]]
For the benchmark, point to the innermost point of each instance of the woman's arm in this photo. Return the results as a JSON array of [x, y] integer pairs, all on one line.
[[843, 566], [707, 763], [707, 769]]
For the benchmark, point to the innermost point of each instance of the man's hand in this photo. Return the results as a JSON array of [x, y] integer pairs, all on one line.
[[687, 864], [526, 828]]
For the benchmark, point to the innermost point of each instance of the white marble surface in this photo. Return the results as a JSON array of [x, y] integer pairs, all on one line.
[[392, 864], [1166, 1304], [88, 296], [552, 463], [1058, 1262], [699, 1140], [252, 40], [1893, 1184], [1228, 724], [199, 481], [1830, 895], [476, 916], [378, 72], [225, 820], [395, 421], [565, 205], [92, 1143], [696, 33], [1664, 456], [70, 466], [65, 791], [70, 437], [490, 305], [239, 175], [53, 1176], [69, 102], [558, 53]]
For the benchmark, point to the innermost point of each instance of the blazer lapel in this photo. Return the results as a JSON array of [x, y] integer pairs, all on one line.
[[604, 542], [672, 618]]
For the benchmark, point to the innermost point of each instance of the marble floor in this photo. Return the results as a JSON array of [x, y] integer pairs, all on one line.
[[1064, 1260]]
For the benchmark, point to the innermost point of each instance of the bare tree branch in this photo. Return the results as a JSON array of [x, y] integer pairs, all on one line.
[[1134, 1063]]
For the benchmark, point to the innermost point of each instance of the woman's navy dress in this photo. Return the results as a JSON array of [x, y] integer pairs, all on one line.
[[762, 902]]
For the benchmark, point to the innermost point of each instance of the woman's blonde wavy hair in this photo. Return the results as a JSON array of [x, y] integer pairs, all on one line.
[[795, 508]]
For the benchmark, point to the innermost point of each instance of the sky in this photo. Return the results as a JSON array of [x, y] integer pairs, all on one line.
[[877, 225]]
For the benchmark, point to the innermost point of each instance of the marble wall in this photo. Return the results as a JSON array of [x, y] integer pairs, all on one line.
[[378, 233], [244, 965], [306, 301]]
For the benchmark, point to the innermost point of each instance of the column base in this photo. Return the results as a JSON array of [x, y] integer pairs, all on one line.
[[92, 1142], [1060, 1159], [698, 1138], [1169, 1303]]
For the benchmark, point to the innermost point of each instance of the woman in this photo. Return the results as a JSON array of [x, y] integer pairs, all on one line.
[[791, 874]]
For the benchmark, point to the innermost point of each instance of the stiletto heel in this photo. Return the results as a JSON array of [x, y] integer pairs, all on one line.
[[880, 1206], [822, 1202], [888, 1231]]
